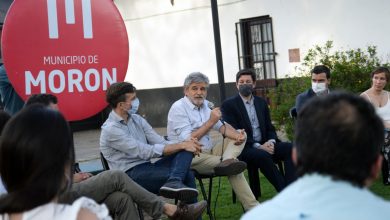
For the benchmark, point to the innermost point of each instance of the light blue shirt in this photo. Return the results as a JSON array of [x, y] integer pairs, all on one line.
[[185, 118], [251, 110], [318, 197], [2, 188], [125, 145]]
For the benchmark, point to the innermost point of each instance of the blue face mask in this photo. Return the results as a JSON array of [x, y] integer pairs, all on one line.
[[134, 106]]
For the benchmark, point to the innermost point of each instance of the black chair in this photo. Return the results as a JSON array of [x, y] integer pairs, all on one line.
[[106, 167], [76, 168], [104, 162], [206, 197], [293, 113]]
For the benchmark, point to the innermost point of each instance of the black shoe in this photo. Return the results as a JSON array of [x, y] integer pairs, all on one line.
[[230, 167], [177, 190], [189, 212]]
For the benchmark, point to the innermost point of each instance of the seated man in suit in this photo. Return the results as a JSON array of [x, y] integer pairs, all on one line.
[[320, 80], [251, 113]]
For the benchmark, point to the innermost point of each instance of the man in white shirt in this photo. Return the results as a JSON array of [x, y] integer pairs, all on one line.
[[338, 139], [191, 118]]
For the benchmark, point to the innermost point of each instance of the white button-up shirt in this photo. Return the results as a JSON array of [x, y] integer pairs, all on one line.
[[185, 118]]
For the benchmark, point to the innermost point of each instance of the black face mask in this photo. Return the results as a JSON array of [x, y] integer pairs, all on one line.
[[245, 89]]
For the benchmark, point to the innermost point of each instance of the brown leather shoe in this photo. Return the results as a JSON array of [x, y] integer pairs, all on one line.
[[189, 212], [229, 167]]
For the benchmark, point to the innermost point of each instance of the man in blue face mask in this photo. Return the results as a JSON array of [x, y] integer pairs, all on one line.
[[262, 149], [134, 106], [320, 80], [130, 144]]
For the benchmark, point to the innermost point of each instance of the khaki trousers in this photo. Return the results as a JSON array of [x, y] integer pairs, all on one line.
[[206, 161]]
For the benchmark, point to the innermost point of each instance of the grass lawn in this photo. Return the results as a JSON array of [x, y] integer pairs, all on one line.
[[226, 209]]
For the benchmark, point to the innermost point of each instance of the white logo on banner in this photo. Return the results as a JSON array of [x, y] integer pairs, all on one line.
[[76, 62], [70, 18]]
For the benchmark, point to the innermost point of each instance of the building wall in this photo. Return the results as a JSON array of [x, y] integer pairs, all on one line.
[[155, 103], [168, 42]]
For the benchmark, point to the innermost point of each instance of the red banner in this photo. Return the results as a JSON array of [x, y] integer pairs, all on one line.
[[73, 49]]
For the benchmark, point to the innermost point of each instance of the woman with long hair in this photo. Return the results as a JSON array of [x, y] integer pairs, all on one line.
[[36, 156], [380, 99]]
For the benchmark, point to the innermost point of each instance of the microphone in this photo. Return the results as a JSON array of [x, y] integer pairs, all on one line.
[[212, 106]]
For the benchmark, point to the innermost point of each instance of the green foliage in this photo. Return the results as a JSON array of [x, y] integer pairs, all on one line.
[[350, 71], [283, 99]]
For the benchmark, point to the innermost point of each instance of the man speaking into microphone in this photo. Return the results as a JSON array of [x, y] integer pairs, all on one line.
[[191, 117]]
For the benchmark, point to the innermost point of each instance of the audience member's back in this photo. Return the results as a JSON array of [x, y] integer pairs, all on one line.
[[337, 159], [36, 154]]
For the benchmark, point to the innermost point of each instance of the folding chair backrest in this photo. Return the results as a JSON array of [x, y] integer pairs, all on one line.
[[293, 112], [104, 162]]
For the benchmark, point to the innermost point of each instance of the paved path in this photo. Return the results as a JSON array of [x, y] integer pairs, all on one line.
[[87, 147], [87, 144]]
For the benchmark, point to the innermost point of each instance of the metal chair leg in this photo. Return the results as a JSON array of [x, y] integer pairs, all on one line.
[[207, 198]]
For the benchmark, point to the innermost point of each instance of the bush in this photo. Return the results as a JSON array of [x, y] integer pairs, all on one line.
[[350, 71]]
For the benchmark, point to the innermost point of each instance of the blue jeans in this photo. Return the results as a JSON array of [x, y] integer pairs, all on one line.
[[175, 167]]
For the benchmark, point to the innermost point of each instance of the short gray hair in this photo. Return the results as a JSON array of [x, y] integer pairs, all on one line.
[[196, 77]]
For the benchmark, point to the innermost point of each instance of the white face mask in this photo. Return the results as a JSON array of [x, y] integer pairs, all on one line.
[[318, 87]]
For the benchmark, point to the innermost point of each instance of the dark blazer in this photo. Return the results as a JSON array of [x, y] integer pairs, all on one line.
[[234, 113], [303, 98]]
